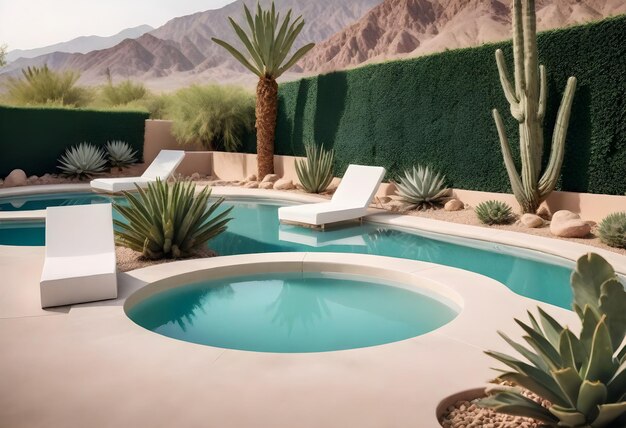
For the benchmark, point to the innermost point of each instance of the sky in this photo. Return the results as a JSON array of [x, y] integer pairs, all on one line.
[[27, 24]]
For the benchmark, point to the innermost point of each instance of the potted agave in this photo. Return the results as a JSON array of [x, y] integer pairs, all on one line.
[[580, 379]]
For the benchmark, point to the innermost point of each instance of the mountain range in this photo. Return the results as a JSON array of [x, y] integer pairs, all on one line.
[[81, 44], [347, 33]]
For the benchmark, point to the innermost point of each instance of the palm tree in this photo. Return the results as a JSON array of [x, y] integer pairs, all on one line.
[[267, 45]]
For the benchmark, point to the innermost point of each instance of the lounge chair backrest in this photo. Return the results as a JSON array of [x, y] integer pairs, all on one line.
[[164, 164], [79, 230], [359, 185]]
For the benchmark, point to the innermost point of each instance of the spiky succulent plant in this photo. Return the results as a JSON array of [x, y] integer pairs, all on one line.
[[584, 376], [316, 171], [612, 230], [120, 154], [494, 212], [169, 220], [82, 161], [422, 188]]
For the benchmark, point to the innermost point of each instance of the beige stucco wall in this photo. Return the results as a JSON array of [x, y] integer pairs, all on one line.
[[158, 136], [237, 166]]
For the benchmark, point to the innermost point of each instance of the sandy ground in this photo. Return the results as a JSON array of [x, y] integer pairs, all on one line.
[[128, 259]]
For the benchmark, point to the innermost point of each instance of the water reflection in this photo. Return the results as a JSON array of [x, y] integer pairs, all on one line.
[[298, 303]]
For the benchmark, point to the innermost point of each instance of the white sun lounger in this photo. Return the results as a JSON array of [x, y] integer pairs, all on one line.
[[350, 201], [161, 167], [80, 255]]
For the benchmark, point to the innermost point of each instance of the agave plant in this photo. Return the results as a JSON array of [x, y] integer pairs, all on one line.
[[612, 230], [316, 171], [268, 44], [584, 376], [422, 188], [169, 220], [82, 161], [120, 154], [494, 212]]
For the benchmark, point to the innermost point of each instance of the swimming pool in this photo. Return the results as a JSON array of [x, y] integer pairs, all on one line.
[[255, 229], [42, 201], [292, 312]]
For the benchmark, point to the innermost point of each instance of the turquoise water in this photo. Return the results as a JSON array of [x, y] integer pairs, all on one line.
[[41, 202], [22, 233], [291, 313], [255, 229]]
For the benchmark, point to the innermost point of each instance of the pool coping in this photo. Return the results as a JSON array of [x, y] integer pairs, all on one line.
[[555, 247]]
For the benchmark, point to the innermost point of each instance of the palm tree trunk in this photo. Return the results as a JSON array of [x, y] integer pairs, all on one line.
[[266, 111]]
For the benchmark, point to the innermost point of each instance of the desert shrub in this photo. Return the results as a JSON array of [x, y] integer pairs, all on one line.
[[494, 212], [316, 171], [42, 86], [120, 154], [215, 116], [169, 220], [82, 161], [612, 230], [422, 188], [582, 377], [122, 93]]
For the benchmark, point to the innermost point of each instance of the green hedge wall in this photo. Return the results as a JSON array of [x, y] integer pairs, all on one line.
[[437, 110], [34, 138]]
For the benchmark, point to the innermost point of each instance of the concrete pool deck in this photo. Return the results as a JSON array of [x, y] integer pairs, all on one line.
[[90, 365]]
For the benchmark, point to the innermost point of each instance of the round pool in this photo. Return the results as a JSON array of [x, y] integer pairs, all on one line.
[[293, 312]]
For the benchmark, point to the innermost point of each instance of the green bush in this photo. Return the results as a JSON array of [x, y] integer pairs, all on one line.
[[436, 110], [215, 116], [123, 93], [42, 86], [169, 220], [612, 230], [494, 212]]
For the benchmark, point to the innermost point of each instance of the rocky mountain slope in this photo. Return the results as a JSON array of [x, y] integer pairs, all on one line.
[[405, 28], [82, 44]]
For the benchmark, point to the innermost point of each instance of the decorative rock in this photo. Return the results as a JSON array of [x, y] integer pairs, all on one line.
[[195, 176], [283, 184], [251, 177], [270, 178], [266, 185], [531, 220], [453, 205], [567, 224], [17, 177], [544, 213], [252, 185]]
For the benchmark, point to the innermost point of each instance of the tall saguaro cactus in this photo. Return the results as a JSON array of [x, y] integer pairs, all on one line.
[[528, 106]]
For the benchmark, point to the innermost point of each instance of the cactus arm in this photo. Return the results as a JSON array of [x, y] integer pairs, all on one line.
[[516, 181], [553, 169], [509, 92], [541, 110], [518, 53]]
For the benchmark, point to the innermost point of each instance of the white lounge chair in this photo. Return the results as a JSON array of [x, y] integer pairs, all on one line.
[[161, 167], [80, 255], [350, 201]]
